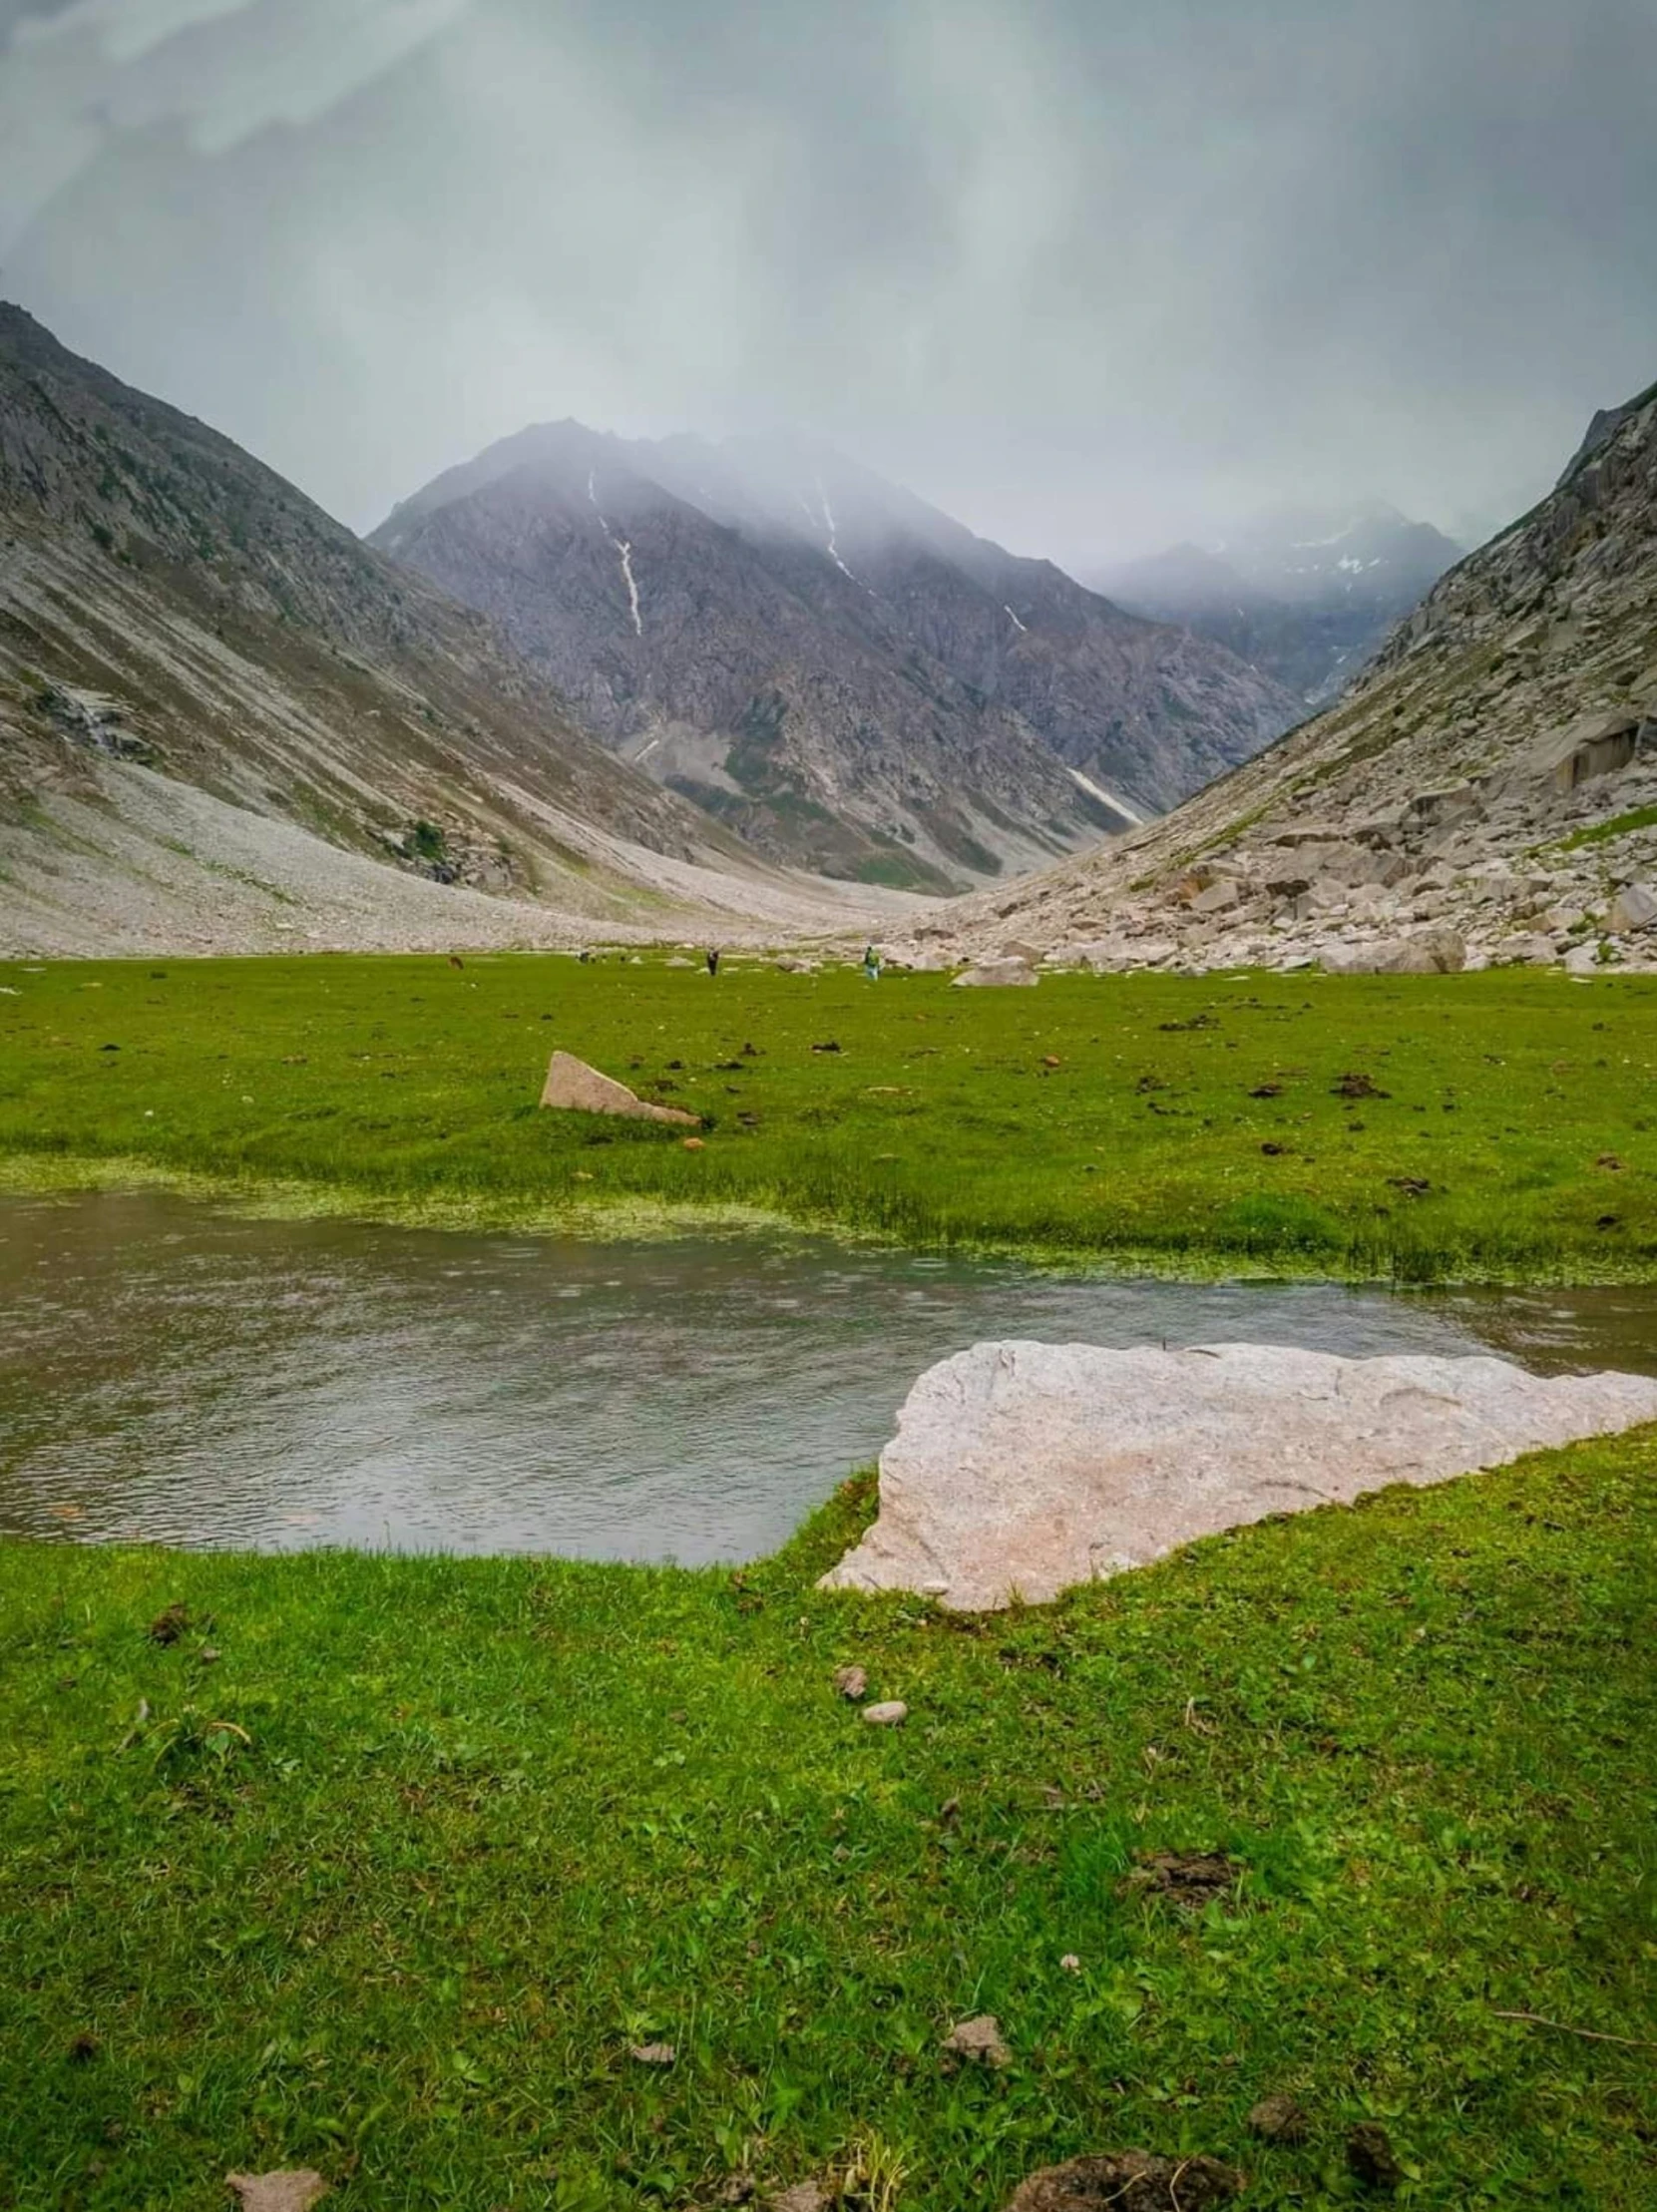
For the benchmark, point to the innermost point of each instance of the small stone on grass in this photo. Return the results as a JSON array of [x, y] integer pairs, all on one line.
[[852, 1682], [892, 1714]]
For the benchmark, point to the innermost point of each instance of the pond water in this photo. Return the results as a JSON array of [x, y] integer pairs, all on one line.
[[174, 1374]]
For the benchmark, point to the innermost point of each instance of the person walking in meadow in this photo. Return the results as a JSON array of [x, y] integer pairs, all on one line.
[[713, 959], [871, 964]]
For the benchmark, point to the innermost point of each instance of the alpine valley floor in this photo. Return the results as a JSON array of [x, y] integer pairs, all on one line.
[[392, 1866]]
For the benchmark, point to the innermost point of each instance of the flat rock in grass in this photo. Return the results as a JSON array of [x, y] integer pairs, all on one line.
[[1019, 1469], [294, 2191], [852, 1682], [1128, 2181], [573, 1085], [804, 2196], [890, 1714], [652, 2055]]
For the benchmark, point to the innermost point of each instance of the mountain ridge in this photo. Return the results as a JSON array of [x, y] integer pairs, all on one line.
[[177, 619], [846, 674], [1485, 791]]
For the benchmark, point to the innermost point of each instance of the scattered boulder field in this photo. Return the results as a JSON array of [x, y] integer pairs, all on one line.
[[1531, 867], [1020, 1469]]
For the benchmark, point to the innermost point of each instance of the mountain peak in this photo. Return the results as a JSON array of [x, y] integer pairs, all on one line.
[[299, 705], [843, 672], [1603, 427]]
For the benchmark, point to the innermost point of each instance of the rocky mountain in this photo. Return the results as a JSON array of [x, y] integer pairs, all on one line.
[[1307, 596], [224, 719], [837, 670], [1486, 790]]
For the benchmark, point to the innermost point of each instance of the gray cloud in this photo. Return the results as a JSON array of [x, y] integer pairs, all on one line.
[[1092, 275]]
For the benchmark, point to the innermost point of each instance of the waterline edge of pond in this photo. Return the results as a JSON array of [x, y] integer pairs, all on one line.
[[47, 1174]]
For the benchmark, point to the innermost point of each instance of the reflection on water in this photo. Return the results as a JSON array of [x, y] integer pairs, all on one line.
[[177, 1375]]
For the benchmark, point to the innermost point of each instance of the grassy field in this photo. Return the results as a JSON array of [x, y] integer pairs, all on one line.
[[1499, 1123], [389, 1866], [396, 1884]]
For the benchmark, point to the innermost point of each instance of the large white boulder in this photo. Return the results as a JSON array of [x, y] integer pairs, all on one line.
[[1018, 1470], [1430, 952]]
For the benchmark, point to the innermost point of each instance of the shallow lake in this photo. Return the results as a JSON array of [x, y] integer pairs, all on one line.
[[174, 1374]]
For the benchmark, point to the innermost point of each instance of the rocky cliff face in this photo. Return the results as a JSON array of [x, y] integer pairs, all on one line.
[[838, 672], [1307, 596], [1485, 792], [183, 634]]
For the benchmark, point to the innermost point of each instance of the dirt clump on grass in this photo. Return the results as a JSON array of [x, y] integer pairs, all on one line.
[[1183, 1877], [1280, 2119], [1128, 2181], [1370, 2156], [979, 2040]]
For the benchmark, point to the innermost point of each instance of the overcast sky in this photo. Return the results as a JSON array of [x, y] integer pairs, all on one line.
[[1093, 274]]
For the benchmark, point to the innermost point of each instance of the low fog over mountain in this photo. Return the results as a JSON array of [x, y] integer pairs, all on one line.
[[837, 670], [1306, 594], [1093, 277]]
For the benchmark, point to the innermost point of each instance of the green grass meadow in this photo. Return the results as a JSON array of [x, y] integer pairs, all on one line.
[[1495, 1124], [387, 1866], [395, 1886]]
